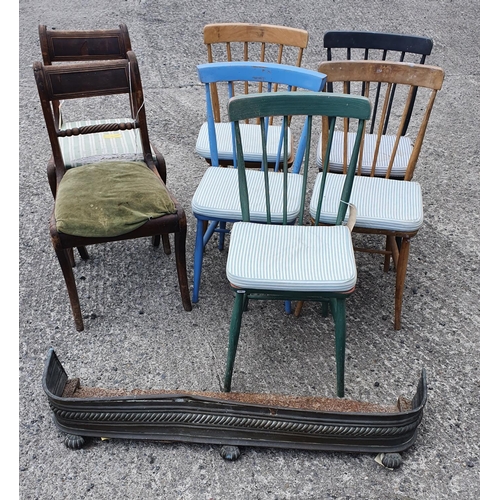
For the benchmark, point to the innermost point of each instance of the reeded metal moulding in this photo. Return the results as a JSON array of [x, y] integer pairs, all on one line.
[[195, 418]]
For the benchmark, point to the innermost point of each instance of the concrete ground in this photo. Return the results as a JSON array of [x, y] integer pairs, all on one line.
[[137, 334]]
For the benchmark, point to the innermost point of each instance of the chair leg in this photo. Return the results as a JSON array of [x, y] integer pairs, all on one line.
[[338, 311], [387, 258], [71, 257], [402, 265], [324, 309], [198, 258], [298, 308], [222, 234], [69, 278], [165, 239], [180, 261], [155, 240], [84, 255], [234, 335]]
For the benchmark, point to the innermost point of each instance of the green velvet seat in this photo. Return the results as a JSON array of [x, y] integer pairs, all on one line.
[[109, 199]]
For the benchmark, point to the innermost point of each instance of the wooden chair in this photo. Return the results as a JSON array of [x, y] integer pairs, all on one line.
[[228, 42], [216, 200], [368, 45], [63, 46], [137, 202], [385, 206], [282, 261]]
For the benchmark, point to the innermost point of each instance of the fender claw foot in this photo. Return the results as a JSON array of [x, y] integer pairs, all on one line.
[[389, 460], [230, 452], [74, 442]]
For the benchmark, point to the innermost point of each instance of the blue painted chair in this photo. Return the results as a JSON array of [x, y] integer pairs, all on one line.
[[216, 200], [293, 261]]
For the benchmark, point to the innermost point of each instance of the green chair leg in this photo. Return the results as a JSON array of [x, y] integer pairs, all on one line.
[[338, 309], [324, 309], [234, 335]]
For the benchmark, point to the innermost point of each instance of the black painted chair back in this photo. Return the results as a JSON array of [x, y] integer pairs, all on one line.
[[366, 45]]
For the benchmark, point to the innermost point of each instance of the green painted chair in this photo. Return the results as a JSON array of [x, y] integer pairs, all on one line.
[[300, 261]]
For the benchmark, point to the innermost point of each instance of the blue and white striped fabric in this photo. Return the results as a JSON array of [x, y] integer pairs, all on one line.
[[250, 139], [384, 155], [380, 203], [91, 148], [217, 195], [292, 258]]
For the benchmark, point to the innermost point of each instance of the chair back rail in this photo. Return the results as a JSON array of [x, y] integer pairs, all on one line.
[[264, 73], [307, 104], [262, 37], [83, 80], [384, 45], [65, 45], [62, 46]]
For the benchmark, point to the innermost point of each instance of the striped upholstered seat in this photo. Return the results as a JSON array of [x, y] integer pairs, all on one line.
[[380, 203], [256, 258], [387, 142], [250, 135], [217, 195], [80, 150]]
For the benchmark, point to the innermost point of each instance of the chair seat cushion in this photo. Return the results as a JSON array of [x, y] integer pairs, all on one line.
[[387, 142], [217, 195], [82, 149], [109, 199], [291, 258], [380, 203], [250, 139]]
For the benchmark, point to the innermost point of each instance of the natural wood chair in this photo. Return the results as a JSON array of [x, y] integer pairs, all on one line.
[[137, 202], [216, 200], [369, 45], [385, 206], [273, 261], [228, 42]]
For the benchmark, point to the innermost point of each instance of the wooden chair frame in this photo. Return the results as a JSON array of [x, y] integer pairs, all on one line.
[[388, 74], [308, 104], [245, 36], [85, 80], [230, 72]]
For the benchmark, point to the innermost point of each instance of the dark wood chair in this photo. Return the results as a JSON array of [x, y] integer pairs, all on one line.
[[63, 46], [141, 206], [228, 42]]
